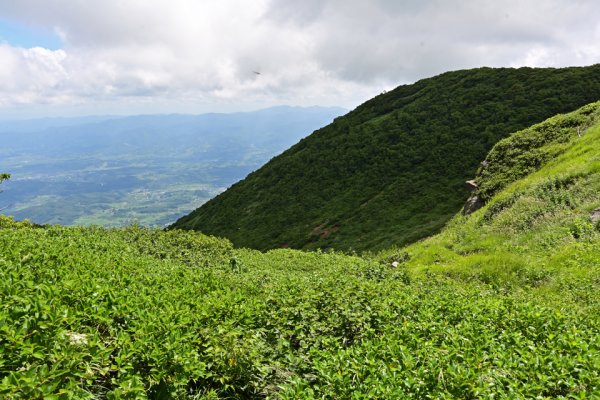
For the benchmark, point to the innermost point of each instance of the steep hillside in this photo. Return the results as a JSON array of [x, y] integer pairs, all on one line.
[[540, 224], [503, 303], [392, 170]]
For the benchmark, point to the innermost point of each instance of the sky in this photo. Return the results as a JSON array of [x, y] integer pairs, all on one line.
[[78, 57]]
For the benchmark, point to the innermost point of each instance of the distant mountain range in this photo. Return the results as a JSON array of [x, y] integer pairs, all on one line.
[[149, 169], [392, 171]]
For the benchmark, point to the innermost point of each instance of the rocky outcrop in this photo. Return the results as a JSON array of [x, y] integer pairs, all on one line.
[[595, 217], [473, 204]]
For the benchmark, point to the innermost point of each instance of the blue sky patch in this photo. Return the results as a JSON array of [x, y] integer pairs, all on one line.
[[20, 35]]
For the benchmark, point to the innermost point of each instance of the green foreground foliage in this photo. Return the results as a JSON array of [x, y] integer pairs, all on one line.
[[93, 313], [503, 303], [393, 170]]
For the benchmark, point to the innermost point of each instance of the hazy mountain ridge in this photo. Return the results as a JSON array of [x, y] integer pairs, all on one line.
[[154, 132], [393, 170]]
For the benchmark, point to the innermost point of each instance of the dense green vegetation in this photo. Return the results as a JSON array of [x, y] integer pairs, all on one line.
[[541, 185], [503, 303], [391, 171]]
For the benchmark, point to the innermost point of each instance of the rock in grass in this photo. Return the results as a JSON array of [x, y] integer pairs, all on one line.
[[595, 217], [473, 204]]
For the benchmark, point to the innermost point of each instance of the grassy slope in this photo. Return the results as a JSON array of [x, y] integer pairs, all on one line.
[[391, 171], [542, 185], [503, 302]]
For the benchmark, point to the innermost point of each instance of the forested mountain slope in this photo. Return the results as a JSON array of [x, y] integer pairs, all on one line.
[[391, 171], [503, 303]]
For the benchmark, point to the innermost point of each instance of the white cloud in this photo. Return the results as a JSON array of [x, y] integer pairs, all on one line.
[[33, 75], [184, 55]]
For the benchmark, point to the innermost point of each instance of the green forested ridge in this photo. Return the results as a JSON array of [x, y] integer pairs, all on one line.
[[392, 170], [503, 303]]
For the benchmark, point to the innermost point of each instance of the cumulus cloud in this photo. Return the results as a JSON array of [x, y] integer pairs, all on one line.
[[397, 40], [341, 52], [33, 75]]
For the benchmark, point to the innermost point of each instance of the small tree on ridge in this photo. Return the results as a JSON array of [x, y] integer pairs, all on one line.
[[4, 177]]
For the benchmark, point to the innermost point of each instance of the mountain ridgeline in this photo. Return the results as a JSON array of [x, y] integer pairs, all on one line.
[[391, 171]]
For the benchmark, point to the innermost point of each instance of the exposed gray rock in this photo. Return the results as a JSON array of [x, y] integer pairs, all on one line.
[[473, 204], [595, 217]]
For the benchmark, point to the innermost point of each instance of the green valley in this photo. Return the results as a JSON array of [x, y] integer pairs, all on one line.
[[147, 169], [502, 303]]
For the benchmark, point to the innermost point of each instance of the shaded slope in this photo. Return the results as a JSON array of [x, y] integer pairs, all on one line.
[[392, 170]]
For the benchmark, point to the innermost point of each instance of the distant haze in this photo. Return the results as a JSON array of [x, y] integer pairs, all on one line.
[[149, 169]]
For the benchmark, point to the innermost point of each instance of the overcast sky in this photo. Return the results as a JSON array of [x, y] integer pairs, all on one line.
[[76, 57]]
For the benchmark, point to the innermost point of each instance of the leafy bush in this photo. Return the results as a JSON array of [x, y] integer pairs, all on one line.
[[134, 313]]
